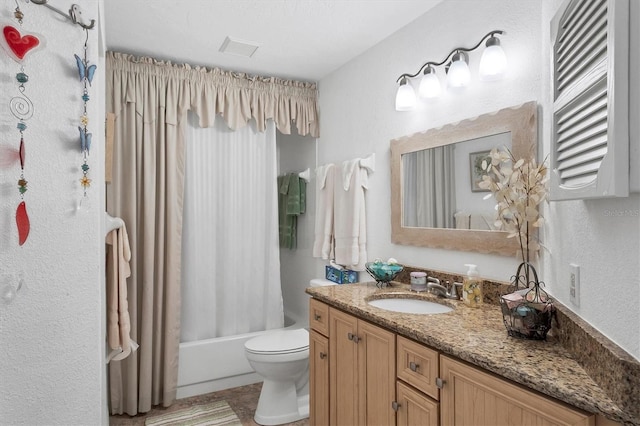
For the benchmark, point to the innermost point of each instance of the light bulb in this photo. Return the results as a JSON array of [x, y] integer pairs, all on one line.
[[459, 74], [429, 84], [493, 63], [405, 97]]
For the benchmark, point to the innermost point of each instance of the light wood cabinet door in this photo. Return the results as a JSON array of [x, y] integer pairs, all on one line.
[[471, 396], [318, 379], [414, 408], [362, 372], [377, 375], [343, 368]]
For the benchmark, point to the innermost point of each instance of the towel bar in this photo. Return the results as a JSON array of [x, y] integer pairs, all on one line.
[[112, 223]]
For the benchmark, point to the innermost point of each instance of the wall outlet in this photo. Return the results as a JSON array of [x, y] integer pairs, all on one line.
[[574, 284]]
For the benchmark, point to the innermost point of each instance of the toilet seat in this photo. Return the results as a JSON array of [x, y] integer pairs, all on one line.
[[279, 342]]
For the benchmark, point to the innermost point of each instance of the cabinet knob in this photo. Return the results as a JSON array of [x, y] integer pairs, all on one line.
[[323, 355], [413, 366], [353, 337], [316, 317], [440, 382], [395, 406]]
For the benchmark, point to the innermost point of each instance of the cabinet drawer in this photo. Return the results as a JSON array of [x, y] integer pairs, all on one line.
[[418, 366], [319, 317]]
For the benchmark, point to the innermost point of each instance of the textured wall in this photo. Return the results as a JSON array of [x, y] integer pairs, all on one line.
[[358, 117], [51, 336]]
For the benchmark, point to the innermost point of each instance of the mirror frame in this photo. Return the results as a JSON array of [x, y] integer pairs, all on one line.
[[520, 121]]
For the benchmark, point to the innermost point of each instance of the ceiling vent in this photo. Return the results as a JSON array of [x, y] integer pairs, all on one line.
[[237, 47]]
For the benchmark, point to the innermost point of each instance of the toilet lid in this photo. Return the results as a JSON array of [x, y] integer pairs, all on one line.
[[280, 342]]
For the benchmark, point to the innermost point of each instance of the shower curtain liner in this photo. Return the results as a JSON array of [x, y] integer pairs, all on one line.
[[430, 183], [230, 246], [150, 100]]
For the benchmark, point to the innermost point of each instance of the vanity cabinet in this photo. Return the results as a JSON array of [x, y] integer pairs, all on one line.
[[470, 396], [362, 371], [374, 377]]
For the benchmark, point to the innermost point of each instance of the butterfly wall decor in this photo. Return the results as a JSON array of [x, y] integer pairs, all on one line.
[[84, 69], [85, 140]]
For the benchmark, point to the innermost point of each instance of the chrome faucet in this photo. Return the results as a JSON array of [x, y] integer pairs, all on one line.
[[434, 286]]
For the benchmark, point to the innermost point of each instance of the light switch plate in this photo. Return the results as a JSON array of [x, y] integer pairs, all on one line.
[[574, 284]]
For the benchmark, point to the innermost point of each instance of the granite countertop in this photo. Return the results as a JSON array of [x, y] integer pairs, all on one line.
[[478, 336]]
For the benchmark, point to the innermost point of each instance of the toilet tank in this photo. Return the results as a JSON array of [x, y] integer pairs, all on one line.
[[320, 282]]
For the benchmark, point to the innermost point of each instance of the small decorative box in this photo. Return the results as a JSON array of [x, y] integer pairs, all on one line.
[[344, 276], [418, 281]]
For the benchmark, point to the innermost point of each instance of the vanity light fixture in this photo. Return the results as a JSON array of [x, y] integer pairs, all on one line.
[[429, 84], [459, 74], [493, 62], [493, 65], [406, 97]]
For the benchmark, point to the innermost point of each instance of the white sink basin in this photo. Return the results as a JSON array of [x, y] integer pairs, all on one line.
[[410, 306]]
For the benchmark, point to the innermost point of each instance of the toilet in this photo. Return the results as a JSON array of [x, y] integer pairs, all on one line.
[[281, 358]]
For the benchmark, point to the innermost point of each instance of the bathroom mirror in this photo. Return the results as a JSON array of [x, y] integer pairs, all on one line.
[[448, 211]]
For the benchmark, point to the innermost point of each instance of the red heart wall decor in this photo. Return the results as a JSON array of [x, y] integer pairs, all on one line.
[[19, 45]]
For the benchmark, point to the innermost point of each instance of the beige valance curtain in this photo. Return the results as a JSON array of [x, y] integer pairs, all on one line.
[[237, 97], [150, 100]]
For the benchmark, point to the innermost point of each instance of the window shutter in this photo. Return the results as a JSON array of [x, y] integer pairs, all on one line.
[[590, 145]]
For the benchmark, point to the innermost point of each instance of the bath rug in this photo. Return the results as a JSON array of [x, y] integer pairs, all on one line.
[[214, 413]]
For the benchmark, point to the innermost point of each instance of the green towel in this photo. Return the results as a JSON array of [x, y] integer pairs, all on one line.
[[303, 195], [284, 222], [291, 203], [296, 195]]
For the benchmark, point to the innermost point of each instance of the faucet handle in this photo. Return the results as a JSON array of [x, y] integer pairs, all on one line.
[[433, 280], [453, 293]]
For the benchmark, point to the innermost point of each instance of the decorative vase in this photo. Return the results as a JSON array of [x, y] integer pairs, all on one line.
[[527, 310]]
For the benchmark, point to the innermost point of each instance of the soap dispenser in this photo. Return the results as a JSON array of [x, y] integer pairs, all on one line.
[[472, 288]]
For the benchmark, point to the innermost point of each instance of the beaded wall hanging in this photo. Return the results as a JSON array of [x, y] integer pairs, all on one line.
[[18, 45], [86, 72]]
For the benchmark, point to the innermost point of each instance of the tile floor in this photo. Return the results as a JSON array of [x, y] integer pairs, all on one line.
[[243, 400]]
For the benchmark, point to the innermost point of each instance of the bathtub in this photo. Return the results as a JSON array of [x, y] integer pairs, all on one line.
[[215, 364]]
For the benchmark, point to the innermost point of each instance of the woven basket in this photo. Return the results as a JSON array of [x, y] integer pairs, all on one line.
[[530, 318]]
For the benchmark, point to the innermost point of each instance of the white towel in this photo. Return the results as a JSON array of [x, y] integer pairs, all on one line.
[[481, 222], [350, 216], [323, 242], [462, 220], [118, 270]]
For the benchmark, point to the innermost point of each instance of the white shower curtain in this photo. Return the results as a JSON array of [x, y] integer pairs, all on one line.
[[230, 252]]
